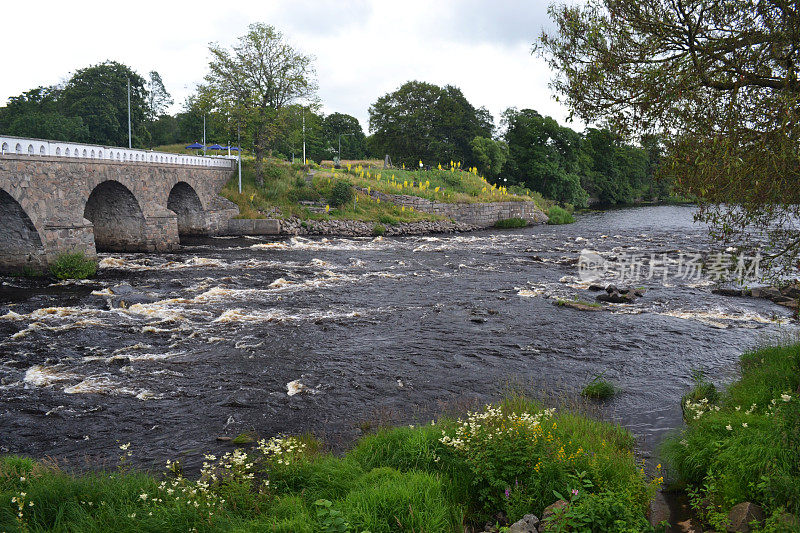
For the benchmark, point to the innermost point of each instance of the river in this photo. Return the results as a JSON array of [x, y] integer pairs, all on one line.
[[170, 351]]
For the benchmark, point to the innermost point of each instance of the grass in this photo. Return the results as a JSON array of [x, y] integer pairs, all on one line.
[[73, 265], [744, 444], [599, 389], [439, 477], [449, 185], [509, 223], [285, 186], [559, 215]]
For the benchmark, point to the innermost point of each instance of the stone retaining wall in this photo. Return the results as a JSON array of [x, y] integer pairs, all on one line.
[[482, 215]]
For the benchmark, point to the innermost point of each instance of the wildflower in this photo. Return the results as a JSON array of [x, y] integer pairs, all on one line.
[[508, 493], [124, 447], [22, 479], [785, 397], [327, 208], [574, 492], [143, 496], [744, 424], [729, 427]]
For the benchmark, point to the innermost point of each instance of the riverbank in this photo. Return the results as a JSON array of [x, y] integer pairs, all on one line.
[[501, 465], [298, 200], [738, 456]]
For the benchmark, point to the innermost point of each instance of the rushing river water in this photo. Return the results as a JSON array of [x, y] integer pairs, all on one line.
[[169, 352]]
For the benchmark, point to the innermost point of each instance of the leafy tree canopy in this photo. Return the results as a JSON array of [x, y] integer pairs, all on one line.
[[422, 121], [256, 81], [717, 80]]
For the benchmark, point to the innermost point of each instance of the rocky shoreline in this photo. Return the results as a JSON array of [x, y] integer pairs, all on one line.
[[356, 228]]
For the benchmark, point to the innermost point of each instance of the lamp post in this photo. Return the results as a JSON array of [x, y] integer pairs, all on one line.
[[339, 153], [130, 141]]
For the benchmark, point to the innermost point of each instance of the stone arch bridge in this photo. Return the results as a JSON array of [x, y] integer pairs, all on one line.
[[60, 197]]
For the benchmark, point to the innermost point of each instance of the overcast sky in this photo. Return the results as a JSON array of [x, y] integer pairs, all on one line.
[[363, 48]]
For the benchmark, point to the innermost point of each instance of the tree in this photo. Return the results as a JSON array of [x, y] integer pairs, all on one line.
[[256, 81], [489, 155], [354, 143], [544, 156], [158, 99], [422, 121], [99, 96], [35, 114], [718, 80]]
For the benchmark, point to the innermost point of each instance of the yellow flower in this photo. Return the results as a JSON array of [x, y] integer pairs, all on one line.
[[436, 189], [440, 166], [327, 208]]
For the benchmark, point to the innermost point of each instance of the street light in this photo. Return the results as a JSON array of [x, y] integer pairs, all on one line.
[[339, 153]]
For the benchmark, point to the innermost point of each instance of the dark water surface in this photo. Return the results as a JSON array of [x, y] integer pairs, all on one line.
[[170, 351]]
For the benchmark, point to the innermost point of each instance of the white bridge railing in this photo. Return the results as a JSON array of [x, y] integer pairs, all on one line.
[[38, 147]]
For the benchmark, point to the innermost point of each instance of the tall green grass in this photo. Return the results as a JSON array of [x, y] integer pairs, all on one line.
[[745, 445], [396, 479]]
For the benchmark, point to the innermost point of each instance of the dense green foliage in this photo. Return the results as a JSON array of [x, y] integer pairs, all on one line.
[[717, 81], [744, 446], [92, 106], [508, 223], [599, 389], [558, 215], [341, 193], [73, 265], [424, 122], [573, 168], [441, 477]]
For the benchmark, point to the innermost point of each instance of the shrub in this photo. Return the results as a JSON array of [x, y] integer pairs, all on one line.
[[73, 265], [378, 229], [519, 455], [509, 223], [599, 389], [341, 194], [559, 215]]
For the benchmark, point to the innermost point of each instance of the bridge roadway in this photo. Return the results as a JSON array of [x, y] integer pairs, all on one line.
[[60, 197]]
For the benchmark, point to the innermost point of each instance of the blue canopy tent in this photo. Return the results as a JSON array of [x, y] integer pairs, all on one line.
[[195, 146], [214, 147]]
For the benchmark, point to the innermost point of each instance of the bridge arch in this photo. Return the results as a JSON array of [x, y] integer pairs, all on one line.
[[184, 202], [19, 239], [119, 224]]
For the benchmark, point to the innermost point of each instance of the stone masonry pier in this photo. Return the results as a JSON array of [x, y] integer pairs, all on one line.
[[63, 197]]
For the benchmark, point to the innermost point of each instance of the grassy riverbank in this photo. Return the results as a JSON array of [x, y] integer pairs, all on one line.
[[744, 445], [289, 192], [514, 458]]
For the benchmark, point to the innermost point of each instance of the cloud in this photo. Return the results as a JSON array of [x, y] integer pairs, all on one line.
[[363, 48]]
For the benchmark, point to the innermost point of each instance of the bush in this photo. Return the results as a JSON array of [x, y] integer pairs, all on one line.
[[341, 194], [519, 455], [599, 389], [745, 447], [559, 215], [73, 265], [378, 230], [509, 223]]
